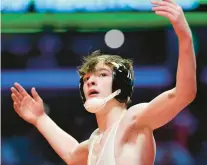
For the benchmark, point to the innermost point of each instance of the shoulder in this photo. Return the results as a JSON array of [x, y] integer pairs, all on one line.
[[94, 133], [135, 110], [138, 106], [128, 126], [129, 121], [131, 113]]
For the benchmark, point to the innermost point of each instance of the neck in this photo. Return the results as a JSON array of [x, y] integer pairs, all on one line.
[[111, 114]]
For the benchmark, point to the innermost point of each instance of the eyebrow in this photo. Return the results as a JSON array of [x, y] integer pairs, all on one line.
[[103, 69]]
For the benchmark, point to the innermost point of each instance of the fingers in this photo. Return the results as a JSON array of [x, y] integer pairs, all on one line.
[[163, 3], [15, 99], [16, 107], [165, 9], [170, 1], [165, 14], [35, 95], [16, 93], [20, 89], [19, 93]]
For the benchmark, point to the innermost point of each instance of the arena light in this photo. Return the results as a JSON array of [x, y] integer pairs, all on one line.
[[103, 5], [69, 79], [114, 38], [28, 23], [19, 6]]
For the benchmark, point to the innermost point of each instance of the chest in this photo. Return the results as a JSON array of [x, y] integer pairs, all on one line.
[[133, 153], [126, 145], [102, 149]]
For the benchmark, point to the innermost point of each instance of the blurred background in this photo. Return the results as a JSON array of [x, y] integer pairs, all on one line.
[[42, 44]]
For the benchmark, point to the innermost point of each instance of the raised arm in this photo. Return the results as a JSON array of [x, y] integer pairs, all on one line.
[[166, 106], [31, 110]]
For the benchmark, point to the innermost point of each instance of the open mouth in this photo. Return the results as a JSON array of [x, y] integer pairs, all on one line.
[[93, 93]]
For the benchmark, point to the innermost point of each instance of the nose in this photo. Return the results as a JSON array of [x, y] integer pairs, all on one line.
[[91, 81]]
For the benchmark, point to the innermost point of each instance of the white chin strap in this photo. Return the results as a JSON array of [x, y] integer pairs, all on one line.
[[95, 105]]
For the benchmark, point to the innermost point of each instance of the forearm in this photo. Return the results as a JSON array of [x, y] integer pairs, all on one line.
[[60, 141], [186, 72]]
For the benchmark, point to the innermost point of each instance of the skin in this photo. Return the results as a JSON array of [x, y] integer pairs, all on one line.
[[134, 143]]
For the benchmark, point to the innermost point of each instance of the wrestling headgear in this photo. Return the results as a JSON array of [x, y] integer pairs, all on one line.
[[122, 79]]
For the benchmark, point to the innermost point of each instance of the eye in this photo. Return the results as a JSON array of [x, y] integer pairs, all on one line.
[[85, 79], [103, 74]]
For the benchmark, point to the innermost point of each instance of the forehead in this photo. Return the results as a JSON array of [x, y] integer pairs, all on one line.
[[99, 67], [102, 65]]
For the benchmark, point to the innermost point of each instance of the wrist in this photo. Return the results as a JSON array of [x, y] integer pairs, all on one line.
[[187, 36], [41, 120], [185, 40]]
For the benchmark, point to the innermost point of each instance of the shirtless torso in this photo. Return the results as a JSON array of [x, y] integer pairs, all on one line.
[[123, 144]]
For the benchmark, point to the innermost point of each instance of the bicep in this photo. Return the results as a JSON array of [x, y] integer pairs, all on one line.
[[160, 110]]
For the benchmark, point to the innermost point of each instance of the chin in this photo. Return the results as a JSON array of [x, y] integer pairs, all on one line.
[[91, 97]]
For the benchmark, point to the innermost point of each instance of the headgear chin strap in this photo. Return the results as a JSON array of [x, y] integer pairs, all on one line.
[[122, 79], [95, 105]]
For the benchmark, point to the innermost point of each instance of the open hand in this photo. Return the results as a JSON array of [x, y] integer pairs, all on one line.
[[27, 107], [174, 12]]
